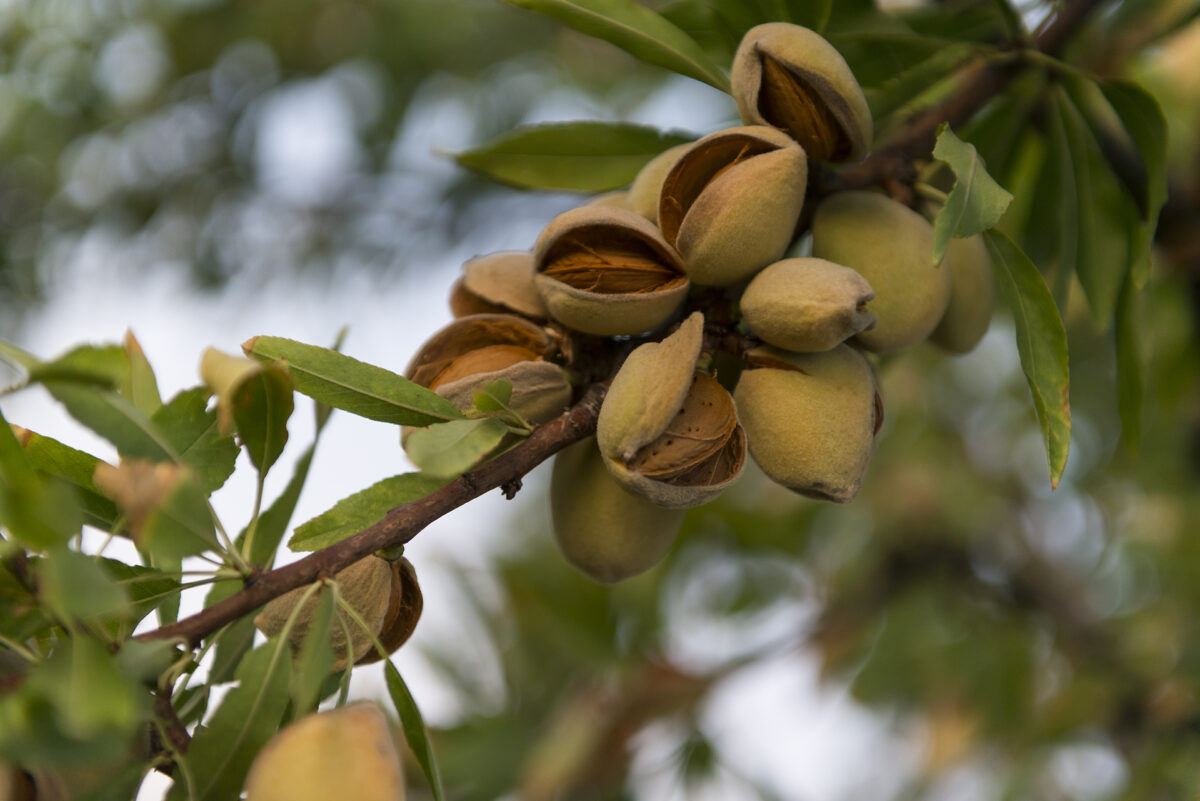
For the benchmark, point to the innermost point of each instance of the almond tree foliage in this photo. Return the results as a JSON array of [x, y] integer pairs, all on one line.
[[1015, 627]]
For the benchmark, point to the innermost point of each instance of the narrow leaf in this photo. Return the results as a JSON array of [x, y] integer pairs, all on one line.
[[140, 385], [1041, 342], [221, 752], [315, 659], [494, 397], [191, 431], [147, 587], [449, 449], [52, 458], [636, 29], [104, 366], [414, 729], [976, 203], [578, 156], [35, 510], [1105, 217], [76, 587], [1144, 121], [262, 405], [362, 510], [353, 386]]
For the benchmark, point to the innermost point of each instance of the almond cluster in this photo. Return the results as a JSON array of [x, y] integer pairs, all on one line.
[[716, 218]]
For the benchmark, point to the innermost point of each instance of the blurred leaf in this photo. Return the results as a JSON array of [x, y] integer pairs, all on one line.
[[1144, 121], [315, 658], [140, 385], [261, 406], [222, 751], [362, 510], [1042, 343], [1103, 247], [494, 397], [76, 587], [272, 524], [578, 156], [257, 398], [36, 511], [51, 457], [975, 204], [911, 83], [180, 525], [414, 729], [450, 449], [812, 14], [235, 639], [192, 432], [105, 366], [637, 30], [112, 417], [1131, 378], [353, 386], [147, 587]]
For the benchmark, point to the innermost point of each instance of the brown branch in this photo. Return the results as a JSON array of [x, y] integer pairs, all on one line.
[[891, 163], [398, 527]]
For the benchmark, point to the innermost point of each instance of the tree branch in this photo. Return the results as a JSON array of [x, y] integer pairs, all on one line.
[[399, 526], [890, 163]]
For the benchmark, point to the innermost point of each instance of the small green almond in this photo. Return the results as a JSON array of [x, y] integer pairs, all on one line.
[[891, 246], [811, 418], [972, 296], [603, 529], [807, 305]]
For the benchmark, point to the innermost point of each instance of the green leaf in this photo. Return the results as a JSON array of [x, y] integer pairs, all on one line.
[[76, 587], [345, 383], [1144, 121], [35, 510], [112, 417], [140, 386], [577, 156], [191, 431], [908, 85], [1105, 213], [812, 14], [77, 706], [1131, 370], [976, 203], [637, 30], [362, 510], [221, 752], [52, 458], [104, 366], [147, 587], [1042, 343], [315, 659], [414, 729], [181, 524], [494, 397], [235, 639], [262, 405], [450, 449]]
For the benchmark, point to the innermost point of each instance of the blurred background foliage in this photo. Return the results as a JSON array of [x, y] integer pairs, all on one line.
[[1012, 642]]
